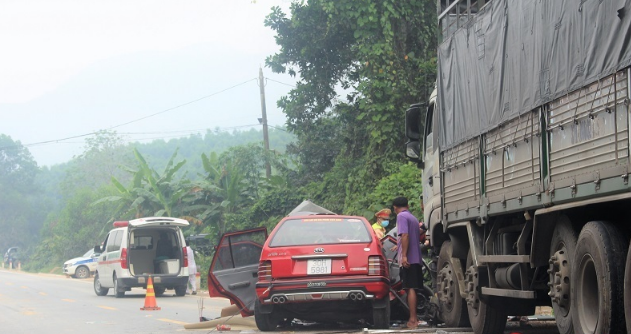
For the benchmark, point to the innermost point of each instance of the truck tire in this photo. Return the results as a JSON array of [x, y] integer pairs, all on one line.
[[627, 291], [562, 247], [452, 309], [484, 319], [597, 279]]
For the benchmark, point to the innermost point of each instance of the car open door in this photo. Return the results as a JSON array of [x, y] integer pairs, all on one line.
[[389, 243], [234, 270]]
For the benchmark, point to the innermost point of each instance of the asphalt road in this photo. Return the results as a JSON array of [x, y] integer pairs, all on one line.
[[43, 303]]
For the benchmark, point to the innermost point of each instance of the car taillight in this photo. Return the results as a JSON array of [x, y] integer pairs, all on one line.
[[265, 271], [185, 262], [124, 258], [376, 265]]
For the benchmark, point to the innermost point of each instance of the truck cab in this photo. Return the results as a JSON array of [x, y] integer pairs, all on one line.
[[422, 147]]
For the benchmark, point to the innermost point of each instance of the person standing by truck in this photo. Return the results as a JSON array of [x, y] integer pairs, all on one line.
[[409, 254]]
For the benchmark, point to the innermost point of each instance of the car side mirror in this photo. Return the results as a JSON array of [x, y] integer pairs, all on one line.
[[97, 250]]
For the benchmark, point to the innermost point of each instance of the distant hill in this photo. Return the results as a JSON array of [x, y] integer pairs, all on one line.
[[157, 153], [191, 148]]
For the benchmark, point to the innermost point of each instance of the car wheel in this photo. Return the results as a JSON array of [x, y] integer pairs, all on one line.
[[119, 293], [266, 322], [180, 290], [98, 289], [159, 290], [597, 279], [381, 316], [452, 307], [82, 272]]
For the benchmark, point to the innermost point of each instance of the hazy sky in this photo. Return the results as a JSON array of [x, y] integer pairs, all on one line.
[[71, 67]]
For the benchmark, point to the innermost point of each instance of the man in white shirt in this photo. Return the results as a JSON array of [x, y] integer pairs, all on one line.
[[192, 270]]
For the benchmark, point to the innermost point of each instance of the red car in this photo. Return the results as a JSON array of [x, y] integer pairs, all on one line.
[[323, 268]]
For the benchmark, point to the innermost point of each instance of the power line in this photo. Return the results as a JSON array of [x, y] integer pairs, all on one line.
[[277, 128], [282, 83], [126, 123], [182, 105]]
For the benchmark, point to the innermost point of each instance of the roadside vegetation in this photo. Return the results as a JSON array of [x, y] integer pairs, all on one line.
[[343, 151]]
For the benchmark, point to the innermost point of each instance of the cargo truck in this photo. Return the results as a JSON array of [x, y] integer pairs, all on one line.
[[524, 147]]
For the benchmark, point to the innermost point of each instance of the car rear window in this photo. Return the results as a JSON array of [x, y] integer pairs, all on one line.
[[317, 231]]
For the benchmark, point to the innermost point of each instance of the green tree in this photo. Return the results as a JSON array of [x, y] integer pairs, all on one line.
[[76, 228], [104, 157], [151, 193], [22, 208], [17, 166], [381, 54], [222, 185]]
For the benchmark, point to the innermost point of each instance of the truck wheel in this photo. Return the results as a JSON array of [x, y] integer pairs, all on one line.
[[266, 322], [98, 289], [627, 290], [562, 248], [452, 309], [484, 318], [381, 316], [597, 279], [82, 272]]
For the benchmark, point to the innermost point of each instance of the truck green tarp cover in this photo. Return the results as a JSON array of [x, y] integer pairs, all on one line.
[[514, 56]]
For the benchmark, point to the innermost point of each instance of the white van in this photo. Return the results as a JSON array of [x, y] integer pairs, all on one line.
[[139, 248]]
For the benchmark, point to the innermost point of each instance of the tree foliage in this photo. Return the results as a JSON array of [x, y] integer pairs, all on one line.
[[22, 207], [381, 55], [104, 157]]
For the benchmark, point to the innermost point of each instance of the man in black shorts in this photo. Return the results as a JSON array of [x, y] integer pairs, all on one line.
[[409, 254]]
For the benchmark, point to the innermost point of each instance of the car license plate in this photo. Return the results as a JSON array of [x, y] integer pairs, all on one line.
[[318, 266]]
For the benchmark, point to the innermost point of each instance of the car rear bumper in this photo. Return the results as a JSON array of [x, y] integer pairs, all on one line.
[[332, 289], [163, 281], [282, 297]]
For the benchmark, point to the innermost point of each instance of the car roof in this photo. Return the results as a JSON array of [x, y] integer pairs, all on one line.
[[158, 221], [321, 216]]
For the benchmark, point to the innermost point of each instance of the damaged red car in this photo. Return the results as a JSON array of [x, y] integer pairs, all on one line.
[[313, 267]]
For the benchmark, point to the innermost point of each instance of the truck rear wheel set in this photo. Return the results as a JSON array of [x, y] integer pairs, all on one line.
[[597, 279], [589, 283]]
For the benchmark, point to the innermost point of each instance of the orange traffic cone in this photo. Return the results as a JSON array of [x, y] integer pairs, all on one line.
[[150, 298]]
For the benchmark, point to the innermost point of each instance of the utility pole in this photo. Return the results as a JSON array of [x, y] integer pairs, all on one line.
[[268, 168]]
